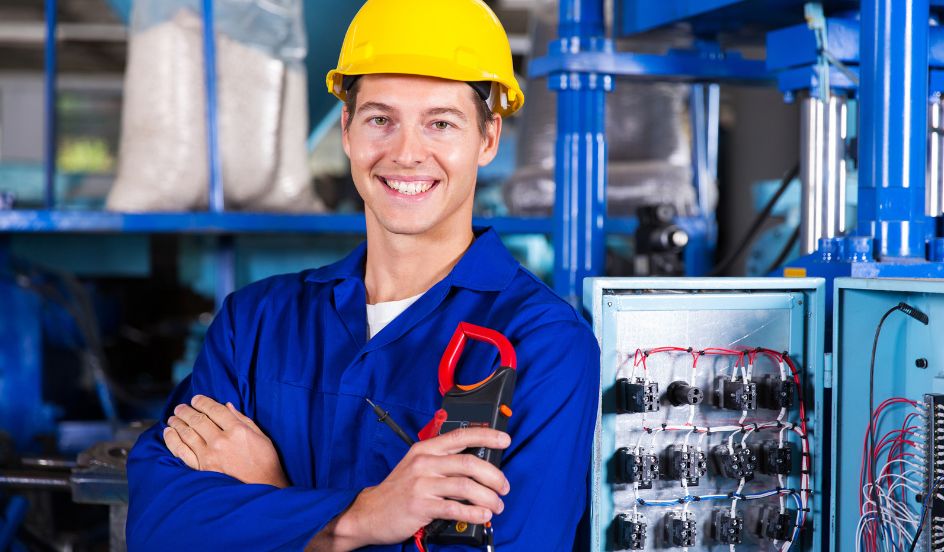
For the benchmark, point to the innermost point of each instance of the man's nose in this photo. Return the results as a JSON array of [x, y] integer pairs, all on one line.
[[409, 149]]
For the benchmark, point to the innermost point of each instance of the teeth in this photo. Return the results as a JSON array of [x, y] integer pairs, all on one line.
[[409, 188]]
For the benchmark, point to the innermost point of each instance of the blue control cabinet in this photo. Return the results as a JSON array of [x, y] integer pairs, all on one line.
[[909, 363], [657, 402], [644, 422]]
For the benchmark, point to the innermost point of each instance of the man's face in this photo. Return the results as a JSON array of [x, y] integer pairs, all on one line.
[[415, 148]]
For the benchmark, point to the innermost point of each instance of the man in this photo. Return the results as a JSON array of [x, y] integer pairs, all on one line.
[[296, 457]]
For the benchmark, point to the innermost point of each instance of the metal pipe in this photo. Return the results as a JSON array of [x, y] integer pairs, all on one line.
[[893, 95], [49, 463], [216, 201], [49, 68], [704, 109], [934, 193], [580, 165], [822, 170], [34, 480]]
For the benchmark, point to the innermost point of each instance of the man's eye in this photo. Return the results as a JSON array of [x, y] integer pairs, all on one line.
[[379, 121], [441, 125]]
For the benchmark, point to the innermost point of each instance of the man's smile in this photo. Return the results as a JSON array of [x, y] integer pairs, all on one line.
[[408, 185]]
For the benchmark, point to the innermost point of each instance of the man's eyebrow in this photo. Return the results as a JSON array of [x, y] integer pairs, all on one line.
[[375, 106], [447, 111]]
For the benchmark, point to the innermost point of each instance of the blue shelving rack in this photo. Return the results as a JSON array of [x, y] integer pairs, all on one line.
[[578, 227]]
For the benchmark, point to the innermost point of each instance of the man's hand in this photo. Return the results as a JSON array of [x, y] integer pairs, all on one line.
[[208, 436], [427, 484]]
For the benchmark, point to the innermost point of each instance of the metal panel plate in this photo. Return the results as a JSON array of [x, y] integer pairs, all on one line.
[[859, 305], [631, 314]]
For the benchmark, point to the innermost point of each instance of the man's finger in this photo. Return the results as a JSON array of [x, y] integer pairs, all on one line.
[[200, 422], [460, 439], [243, 418], [450, 509], [216, 412], [177, 447], [467, 465], [186, 433], [463, 488]]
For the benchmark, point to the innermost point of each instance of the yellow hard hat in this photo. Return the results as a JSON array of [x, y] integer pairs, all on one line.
[[459, 40]]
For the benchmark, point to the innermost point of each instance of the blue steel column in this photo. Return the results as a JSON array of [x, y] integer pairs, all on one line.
[[49, 155], [893, 95], [213, 147], [580, 166]]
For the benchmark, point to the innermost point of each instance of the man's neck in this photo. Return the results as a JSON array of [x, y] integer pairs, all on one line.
[[401, 266]]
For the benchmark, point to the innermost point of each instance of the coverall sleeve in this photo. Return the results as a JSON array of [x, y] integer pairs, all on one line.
[[553, 417], [172, 507]]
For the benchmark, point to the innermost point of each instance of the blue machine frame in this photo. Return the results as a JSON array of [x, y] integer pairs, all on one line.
[[892, 53], [801, 302]]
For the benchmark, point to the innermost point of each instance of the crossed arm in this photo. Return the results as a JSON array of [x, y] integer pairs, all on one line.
[[429, 483]]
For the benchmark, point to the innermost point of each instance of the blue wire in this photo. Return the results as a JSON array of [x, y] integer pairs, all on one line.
[[691, 498], [796, 529]]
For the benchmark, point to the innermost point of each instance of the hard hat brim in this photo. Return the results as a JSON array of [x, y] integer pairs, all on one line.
[[426, 66]]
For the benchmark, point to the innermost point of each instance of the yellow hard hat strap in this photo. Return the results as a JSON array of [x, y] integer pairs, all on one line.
[[498, 96]]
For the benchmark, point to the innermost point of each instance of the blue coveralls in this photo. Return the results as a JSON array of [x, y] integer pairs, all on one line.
[[292, 353]]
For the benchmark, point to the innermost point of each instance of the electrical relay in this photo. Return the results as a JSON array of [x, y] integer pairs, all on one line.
[[704, 433]]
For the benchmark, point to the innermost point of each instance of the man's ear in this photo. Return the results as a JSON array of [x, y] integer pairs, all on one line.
[[345, 139], [490, 141]]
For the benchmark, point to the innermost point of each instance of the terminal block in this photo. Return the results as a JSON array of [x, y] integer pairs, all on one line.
[[737, 465], [736, 394], [775, 393], [774, 525], [632, 468], [680, 529], [725, 528], [636, 397], [934, 463], [630, 532], [680, 393], [690, 465], [775, 459]]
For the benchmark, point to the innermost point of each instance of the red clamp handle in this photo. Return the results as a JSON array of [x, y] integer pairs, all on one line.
[[450, 358]]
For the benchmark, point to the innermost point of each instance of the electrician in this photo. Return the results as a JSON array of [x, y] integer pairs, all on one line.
[[271, 444]]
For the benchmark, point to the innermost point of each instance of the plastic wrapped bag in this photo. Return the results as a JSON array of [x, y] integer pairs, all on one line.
[[261, 108], [648, 140], [630, 185]]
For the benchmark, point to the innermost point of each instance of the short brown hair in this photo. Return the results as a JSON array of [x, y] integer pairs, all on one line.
[[484, 115]]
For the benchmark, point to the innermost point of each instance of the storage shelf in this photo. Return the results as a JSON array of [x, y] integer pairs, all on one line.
[[104, 222]]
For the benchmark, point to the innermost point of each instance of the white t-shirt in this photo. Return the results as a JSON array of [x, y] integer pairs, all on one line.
[[381, 314]]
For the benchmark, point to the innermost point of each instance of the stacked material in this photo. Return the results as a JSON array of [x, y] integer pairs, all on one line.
[[262, 114]]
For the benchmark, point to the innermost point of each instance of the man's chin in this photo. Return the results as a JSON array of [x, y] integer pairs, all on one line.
[[406, 227]]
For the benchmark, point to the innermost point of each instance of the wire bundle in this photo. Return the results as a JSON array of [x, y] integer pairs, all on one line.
[[898, 458], [744, 360]]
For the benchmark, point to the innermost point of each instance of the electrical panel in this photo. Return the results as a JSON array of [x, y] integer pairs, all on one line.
[[888, 411], [708, 420]]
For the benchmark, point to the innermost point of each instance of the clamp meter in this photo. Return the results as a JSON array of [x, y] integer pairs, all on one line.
[[484, 404]]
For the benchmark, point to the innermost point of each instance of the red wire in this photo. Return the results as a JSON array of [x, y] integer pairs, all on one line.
[[895, 451], [640, 357]]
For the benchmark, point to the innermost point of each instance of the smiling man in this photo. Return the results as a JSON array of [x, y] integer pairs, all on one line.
[[271, 444]]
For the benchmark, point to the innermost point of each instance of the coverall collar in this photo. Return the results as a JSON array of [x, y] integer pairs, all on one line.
[[485, 266]]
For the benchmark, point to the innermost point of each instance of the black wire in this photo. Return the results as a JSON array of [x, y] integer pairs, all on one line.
[[785, 252], [757, 224], [920, 317], [924, 512], [870, 459]]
